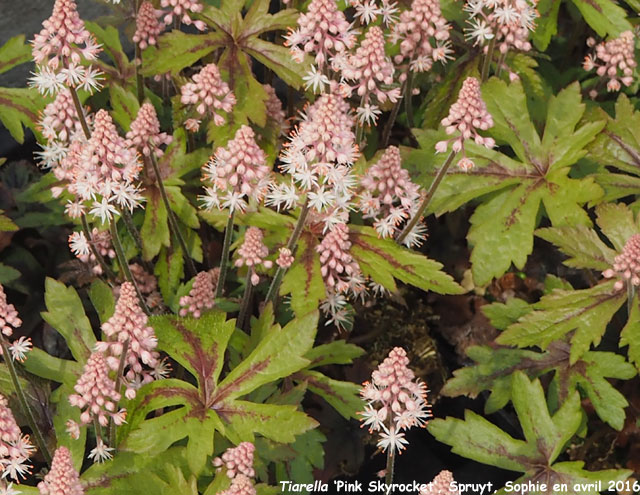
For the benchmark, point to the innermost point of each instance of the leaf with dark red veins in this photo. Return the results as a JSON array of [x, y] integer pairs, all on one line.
[[155, 228], [177, 50], [343, 396], [586, 311], [14, 52], [197, 344], [546, 437], [280, 354], [383, 260], [20, 107], [276, 422]]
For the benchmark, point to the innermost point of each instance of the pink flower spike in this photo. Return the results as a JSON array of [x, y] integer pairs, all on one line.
[[615, 61], [129, 323], [9, 319], [467, 115], [145, 132], [285, 258], [62, 479], [238, 461], [238, 172], [95, 393], [181, 9], [626, 266], [339, 270], [15, 448], [202, 294], [209, 92], [253, 253], [148, 27], [441, 485]]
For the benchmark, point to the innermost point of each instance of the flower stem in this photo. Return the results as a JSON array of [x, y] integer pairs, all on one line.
[[80, 112], [173, 222], [630, 295], [408, 104], [124, 266], [111, 431], [427, 199], [135, 233], [224, 260], [246, 298], [272, 294], [487, 61], [103, 264], [22, 398], [138, 64], [386, 133], [391, 460]]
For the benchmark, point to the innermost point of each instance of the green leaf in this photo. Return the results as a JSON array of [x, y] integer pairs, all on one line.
[[197, 344], [336, 352], [278, 355], [303, 279], [64, 412], [65, 313], [8, 274], [125, 106], [604, 16], [343, 396], [102, 299], [45, 365], [618, 145], [630, 334], [478, 439], [546, 24], [6, 224], [501, 315], [276, 422], [383, 260], [546, 437], [14, 52], [19, 107], [177, 50], [155, 229], [617, 223], [586, 311], [169, 269], [581, 244]]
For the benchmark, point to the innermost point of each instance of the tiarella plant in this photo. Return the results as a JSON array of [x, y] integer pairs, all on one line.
[[239, 184]]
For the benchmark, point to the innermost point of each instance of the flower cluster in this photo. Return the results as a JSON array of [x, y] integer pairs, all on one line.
[[396, 401], [128, 324], [9, 319], [510, 22], [367, 11], [614, 61], [202, 294], [323, 31], [340, 271], [275, 112], [373, 72], [181, 9], [59, 50], [627, 264], [101, 171], [15, 448], [441, 485], [209, 92], [285, 258], [238, 462], [145, 132], [252, 253], [423, 34], [148, 27], [62, 479], [238, 172], [389, 196], [96, 393], [80, 247], [467, 115], [318, 158]]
